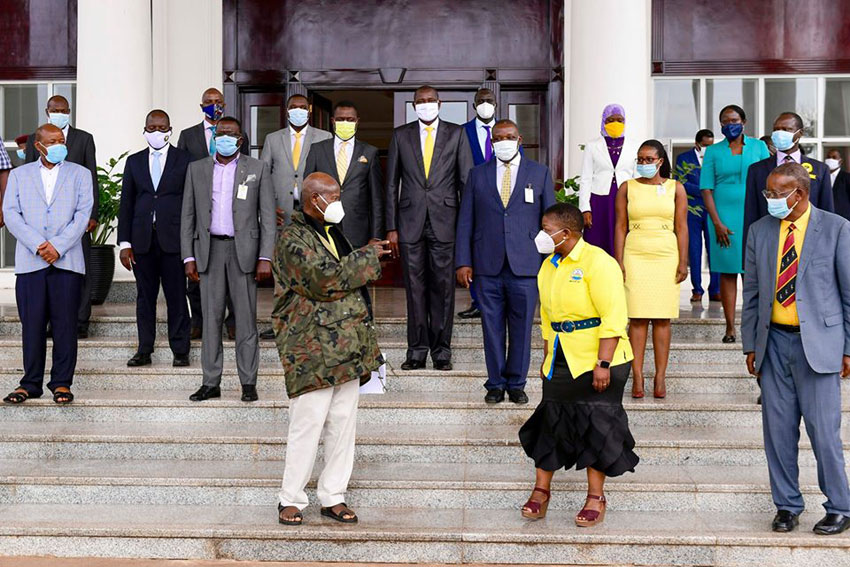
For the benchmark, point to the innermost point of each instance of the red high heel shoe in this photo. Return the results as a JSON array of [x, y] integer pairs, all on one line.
[[587, 518], [536, 510]]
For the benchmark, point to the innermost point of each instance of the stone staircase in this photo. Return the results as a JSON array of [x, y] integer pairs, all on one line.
[[134, 469]]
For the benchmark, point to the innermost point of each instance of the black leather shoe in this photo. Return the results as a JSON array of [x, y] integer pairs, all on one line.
[[411, 364], [758, 400], [249, 393], [494, 396], [267, 335], [205, 393], [444, 365], [82, 332], [195, 334], [180, 360], [140, 359], [832, 524], [518, 396], [231, 333], [785, 521], [471, 313]]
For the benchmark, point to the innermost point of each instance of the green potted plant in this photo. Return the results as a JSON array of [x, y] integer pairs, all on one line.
[[566, 190], [102, 261]]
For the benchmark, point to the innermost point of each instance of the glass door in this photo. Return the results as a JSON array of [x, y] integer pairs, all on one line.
[[262, 114], [456, 107], [527, 109]]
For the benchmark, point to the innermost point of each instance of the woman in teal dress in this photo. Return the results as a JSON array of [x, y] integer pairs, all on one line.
[[723, 183]]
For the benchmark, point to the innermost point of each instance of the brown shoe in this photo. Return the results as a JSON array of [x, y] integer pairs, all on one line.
[[196, 334], [231, 333]]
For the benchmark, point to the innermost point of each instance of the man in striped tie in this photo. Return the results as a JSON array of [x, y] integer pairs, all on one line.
[[796, 337]]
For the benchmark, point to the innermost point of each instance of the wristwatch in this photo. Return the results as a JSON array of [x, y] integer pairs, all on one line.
[[603, 364]]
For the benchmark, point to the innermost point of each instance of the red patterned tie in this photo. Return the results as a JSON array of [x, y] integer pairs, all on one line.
[[786, 285]]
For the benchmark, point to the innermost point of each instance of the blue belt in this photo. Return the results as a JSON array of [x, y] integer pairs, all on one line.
[[570, 326]]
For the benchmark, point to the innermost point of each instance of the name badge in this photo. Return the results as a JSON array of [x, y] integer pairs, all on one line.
[[242, 192], [529, 194]]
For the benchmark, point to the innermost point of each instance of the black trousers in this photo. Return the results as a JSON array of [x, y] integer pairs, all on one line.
[[153, 268], [49, 295], [429, 280], [193, 292], [84, 312]]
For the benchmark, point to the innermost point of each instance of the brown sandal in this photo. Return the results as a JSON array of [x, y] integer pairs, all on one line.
[[534, 510], [588, 518], [295, 519]]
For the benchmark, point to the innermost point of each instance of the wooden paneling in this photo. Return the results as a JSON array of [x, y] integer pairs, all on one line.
[[735, 37], [38, 39]]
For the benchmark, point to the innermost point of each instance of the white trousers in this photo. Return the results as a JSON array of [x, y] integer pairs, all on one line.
[[333, 410]]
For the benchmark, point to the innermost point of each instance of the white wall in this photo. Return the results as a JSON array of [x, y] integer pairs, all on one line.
[[607, 60]]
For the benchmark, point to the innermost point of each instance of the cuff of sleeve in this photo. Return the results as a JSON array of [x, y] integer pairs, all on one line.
[[263, 258], [124, 245], [189, 259]]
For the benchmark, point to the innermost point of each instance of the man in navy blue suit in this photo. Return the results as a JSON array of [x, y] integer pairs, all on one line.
[[149, 237], [479, 134], [503, 202], [697, 217]]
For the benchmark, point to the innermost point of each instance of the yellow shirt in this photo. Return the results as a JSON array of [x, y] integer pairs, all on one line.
[[780, 314], [585, 284]]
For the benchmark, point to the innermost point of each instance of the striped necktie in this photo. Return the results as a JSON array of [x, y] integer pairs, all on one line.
[[506, 185], [786, 283], [331, 242], [342, 162]]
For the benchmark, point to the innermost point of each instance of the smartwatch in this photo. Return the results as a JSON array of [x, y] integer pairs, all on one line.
[[603, 364]]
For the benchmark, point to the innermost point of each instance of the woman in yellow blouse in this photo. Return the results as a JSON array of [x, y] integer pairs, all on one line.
[[651, 245], [580, 421]]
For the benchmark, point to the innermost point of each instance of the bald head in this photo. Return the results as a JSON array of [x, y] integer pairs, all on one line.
[[212, 96], [318, 190], [47, 132]]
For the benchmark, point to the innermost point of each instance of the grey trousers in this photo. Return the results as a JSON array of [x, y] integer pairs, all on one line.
[[791, 389], [223, 272]]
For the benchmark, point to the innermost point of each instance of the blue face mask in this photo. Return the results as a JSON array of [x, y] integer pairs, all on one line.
[[778, 208], [226, 145], [782, 140], [58, 119], [212, 111], [298, 117], [56, 153], [22, 154], [732, 131], [647, 170]]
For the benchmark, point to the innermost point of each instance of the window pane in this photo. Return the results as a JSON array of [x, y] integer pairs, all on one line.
[[23, 109], [676, 108], [527, 118], [9, 252], [810, 150], [791, 95], [450, 111], [69, 91], [264, 121], [720, 92], [836, 116]]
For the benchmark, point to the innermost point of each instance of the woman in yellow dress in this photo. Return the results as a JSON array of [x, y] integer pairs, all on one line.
[[651, 245]]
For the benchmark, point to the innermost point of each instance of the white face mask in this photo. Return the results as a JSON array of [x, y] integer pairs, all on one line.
[[485, 111], [333, 212], [157, 139], [832, 164], [506, 150], [427, 111], [545, 243]]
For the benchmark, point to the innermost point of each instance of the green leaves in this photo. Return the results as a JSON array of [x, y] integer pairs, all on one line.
[[567, 190], [109, 187]]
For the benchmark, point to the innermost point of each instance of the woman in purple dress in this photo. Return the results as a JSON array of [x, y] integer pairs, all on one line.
[[608, 162]]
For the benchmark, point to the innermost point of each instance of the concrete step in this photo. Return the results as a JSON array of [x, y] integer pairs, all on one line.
[[373, 485], [146, 406], [376, 443], [414, 535]]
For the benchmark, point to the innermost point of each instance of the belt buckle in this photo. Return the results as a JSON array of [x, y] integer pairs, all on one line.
[[568, 326]]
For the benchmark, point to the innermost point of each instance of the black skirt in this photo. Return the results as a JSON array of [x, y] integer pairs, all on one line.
[[575, 425]]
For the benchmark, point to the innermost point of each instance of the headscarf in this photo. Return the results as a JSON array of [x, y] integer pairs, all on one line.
[[610, 110]]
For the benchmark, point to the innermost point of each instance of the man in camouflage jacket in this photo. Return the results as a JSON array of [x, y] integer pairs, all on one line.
[[327, 343]]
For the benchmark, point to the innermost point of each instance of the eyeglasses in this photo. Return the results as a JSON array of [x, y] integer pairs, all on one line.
[[774, 195], [647, 160]]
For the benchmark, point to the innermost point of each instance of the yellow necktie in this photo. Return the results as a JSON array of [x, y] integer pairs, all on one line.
[[429, 149], [342, 162], [506, 185], [296, 151], [331, 242]]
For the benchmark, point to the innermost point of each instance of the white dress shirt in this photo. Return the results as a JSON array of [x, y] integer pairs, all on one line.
[[833, 175], [349, 150], [303, 132], [482, 133], [48, 179], [65, 132], [500, 172], [207, 131], [424, 134], [163, 155]]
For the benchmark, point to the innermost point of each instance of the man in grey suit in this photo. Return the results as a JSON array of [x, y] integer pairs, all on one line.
[[199, 141], [286, 151], [354, 165], [46, 208], [227, 238], [427, 167], [796, 336]]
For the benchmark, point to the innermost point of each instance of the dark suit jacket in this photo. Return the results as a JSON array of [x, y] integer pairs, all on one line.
[[80, 151], [194, 141], [411, 197], [362, 193], [841, 194], [139, 201], [755, 205], [472, 135], [692, 180], [488, 232]]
